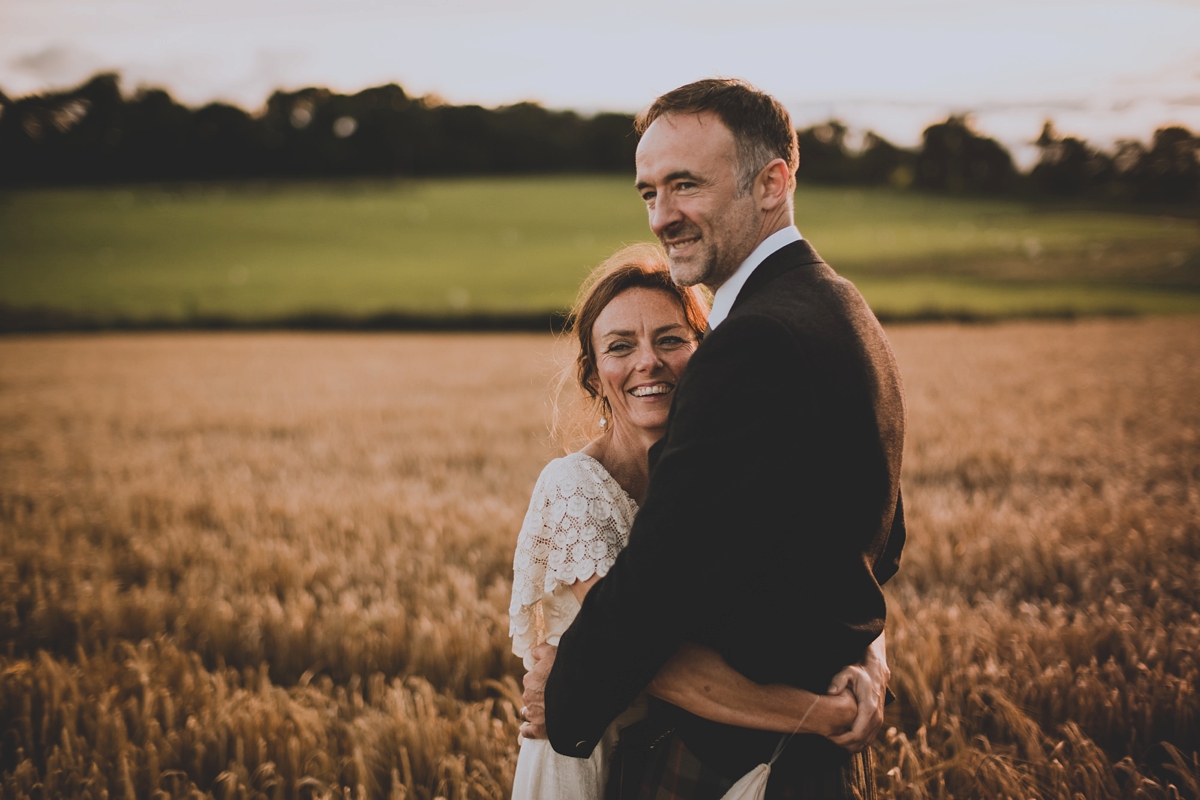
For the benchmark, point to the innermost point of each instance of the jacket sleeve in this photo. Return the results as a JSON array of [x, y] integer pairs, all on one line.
[[889, 560], [688, 543]]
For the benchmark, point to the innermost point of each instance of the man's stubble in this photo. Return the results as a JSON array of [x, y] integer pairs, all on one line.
[[730, 243]]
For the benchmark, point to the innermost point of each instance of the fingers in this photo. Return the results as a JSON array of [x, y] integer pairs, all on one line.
[[543, 652], [868, 684], [847, 742], [861, 734], [869, 719], [531, 731], [850, 678], [534, 725]]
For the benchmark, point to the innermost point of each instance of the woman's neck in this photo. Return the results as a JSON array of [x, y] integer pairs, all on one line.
[[623, 453]]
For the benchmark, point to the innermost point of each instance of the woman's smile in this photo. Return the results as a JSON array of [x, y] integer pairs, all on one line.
[[652, 389]]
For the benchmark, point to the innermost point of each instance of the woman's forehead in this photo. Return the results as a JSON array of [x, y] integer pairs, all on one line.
[[640, 307]]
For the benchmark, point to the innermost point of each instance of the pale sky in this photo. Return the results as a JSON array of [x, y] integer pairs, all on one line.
[[1102, 69]]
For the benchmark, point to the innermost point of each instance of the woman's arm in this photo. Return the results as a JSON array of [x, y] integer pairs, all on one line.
[[698, 680]]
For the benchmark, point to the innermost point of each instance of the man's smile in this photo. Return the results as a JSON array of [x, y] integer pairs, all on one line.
[[674, 246], [680, 237]]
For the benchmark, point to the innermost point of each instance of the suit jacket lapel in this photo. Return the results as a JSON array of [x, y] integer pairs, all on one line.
[[786, 258]]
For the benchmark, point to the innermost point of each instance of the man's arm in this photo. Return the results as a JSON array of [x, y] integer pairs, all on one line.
[[730, 408], [868, 679], [698, 680], [888, 563]]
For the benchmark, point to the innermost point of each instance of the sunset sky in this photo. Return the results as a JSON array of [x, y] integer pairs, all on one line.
[[1102, 69]]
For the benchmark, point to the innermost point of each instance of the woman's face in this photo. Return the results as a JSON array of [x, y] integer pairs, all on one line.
[[642, 342]]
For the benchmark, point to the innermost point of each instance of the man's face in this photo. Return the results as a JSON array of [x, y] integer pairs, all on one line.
[[687, 175]]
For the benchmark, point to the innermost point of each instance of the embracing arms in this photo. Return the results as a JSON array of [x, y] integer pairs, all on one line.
[[698, 680]]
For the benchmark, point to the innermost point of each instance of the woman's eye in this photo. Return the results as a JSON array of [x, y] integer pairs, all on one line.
[[617, 347]]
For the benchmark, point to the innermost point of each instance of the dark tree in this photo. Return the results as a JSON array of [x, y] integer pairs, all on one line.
[[63, 137], [609, 143], [155, 138], [225, 142], [1067, 167], [883, 164], [95, 134], [823, 155], [1169, 172], [955, 159]]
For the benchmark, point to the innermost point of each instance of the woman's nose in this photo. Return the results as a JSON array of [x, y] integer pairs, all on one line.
[[648, 359]]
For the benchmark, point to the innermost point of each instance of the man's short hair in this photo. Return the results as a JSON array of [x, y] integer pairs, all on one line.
[[761, 126]]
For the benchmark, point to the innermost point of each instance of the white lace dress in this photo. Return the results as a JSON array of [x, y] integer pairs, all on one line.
[[578, 520]]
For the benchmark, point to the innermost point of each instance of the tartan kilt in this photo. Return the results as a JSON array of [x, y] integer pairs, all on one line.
[[669, 771]]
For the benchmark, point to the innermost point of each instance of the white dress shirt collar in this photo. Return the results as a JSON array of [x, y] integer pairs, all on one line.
[[724, 297]]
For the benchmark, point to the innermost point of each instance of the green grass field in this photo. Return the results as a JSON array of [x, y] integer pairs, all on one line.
[[263, 251]]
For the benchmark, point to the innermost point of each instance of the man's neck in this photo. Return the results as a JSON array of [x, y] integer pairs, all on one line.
[[725, 296], [771, 225]]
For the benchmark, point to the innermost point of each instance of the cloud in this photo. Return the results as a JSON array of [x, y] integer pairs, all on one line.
[[56, 63]]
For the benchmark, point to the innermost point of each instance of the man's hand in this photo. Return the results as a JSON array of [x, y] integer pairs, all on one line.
[[867, 680], [534, 696]]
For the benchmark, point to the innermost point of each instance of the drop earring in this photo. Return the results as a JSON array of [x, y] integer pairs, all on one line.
[[605, 412]]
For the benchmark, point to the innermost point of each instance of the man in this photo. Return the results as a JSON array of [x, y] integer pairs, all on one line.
[[773, 512]]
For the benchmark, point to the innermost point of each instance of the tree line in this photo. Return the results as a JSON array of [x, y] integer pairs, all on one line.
[[96, 134]]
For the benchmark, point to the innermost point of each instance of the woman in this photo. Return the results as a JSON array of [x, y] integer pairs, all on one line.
[[636, 332]]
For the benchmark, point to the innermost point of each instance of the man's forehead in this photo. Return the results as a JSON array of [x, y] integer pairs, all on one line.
[[674, 142], [693, 125]]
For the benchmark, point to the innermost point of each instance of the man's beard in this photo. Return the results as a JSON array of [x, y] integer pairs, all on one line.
[[699, 265], [696, 269]]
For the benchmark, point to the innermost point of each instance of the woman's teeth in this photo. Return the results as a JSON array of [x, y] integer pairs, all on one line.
[[644, 391]]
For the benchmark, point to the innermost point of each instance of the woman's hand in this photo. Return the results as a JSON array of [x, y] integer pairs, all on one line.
[[533, 713]]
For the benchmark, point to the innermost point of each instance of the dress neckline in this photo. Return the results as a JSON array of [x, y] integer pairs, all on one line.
[[609, 476]]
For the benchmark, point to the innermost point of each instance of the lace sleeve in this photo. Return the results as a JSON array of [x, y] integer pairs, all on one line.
[[573, 530]]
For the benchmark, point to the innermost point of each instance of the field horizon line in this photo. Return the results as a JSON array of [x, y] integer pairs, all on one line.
[[25, 320]]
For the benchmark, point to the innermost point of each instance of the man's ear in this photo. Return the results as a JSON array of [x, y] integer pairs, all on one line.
[[772, 185]]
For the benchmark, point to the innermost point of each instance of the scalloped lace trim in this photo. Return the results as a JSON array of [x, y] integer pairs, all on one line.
[[578, 520]]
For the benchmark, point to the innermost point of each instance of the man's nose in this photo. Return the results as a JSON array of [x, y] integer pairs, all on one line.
[[663, 215]]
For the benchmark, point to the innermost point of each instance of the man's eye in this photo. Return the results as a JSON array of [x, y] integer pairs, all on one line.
[[647, 196]]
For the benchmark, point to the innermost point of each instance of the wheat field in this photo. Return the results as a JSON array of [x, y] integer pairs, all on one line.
[[277, 565]]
